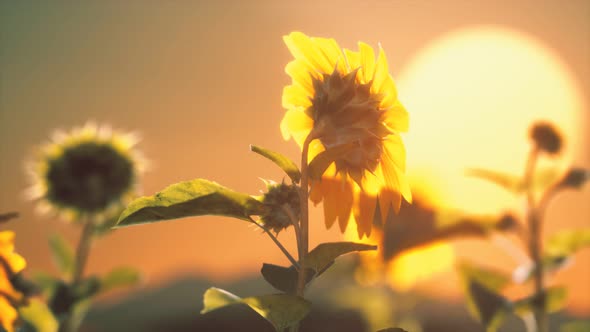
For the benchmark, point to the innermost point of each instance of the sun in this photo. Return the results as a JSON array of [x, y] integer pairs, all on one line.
[[472, 95]]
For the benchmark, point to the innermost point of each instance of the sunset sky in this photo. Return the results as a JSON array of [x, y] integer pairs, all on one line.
[[200, 81]]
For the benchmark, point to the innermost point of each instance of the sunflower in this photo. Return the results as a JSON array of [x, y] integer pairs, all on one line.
[[12, 263], [91, 171], [347, 97]]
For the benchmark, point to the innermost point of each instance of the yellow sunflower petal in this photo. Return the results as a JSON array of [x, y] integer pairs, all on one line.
[[364, 213], [397, 118], [367, 62], [6, 242], [394, 152], [345, 198], [8, 315], [332, 52], [331, 203], [295, 96], [301, 74], [381, 73], [389, 93], [303, 48], [296, 124], [316, 192], [389, 196], [353, 59]]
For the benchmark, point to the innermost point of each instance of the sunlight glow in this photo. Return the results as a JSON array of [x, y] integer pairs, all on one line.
[[472, 95]]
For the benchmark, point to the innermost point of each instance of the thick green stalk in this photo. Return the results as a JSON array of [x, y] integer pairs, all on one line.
[[535, 236], [69, 322]]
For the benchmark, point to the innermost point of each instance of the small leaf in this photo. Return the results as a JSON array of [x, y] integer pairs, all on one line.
[[550, 264], [324, 254], [63, 254], [506, 181], [4, 217], [567, 242], [190, 198], [553, 299], [489, 307], [280, 160], [281, 310], [492, 280], [322, 161], [284, 278], [37, 316], [120, 277], [215, 298], [46, 282], [515, 184], [575, 178]]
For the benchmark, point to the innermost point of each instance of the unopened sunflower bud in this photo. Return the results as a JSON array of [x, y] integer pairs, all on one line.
[[282, 202], [575, 178], [546, 137], [507, 222]]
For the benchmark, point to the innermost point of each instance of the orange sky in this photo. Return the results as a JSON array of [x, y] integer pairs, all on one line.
[[202, 81]]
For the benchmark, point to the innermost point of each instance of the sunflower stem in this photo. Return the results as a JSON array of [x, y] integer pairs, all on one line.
[[534, 226], [287, 209], [279, 244], [69, 322], [83, 250], [303, 243]]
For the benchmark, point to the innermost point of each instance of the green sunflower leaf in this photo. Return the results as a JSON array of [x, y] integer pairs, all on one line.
[[567, 242], [549, 264], [324, 159], [515, 184], [46, 282], [281, 310], [280, 160], [120, 277], [324, 254], [491, 279], [4, 217], [553, 299], [484, 301], [489, 307], [190, 198], [63, 254], [284, 278], [36, 316]]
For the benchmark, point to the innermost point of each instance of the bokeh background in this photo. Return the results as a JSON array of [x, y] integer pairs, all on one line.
[[201, 80]]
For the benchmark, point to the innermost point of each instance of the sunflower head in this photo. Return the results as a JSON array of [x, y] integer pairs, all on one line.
[[282, 204], [546, 137], [90, 171], [10, 297], [344, 97]]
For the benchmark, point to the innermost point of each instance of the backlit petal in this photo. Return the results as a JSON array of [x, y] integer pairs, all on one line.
[[302, 48], [367, 62]]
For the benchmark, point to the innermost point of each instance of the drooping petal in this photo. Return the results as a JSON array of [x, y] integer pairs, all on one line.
[[331, 203], [364, 213], [394, 152]]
